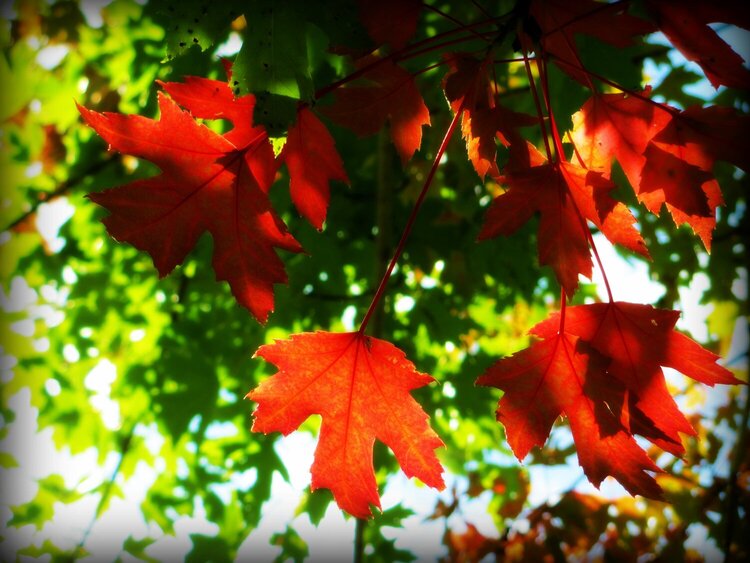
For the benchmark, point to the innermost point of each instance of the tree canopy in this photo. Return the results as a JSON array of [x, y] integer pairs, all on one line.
[[499, 195]]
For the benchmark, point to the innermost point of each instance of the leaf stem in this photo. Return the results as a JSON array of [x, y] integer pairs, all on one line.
[[410, 221], [537, 103], [634, 93], [409, 51], [601, 266], [359, 540], [125, 445], [542, 70], [558, 144], [450, 18], [563, 306]]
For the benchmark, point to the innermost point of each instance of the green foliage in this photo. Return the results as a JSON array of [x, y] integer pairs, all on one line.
[[150, 373]]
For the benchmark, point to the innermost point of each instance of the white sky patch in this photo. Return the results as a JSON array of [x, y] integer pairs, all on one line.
[[348, 317], [51, 56], [628, 278], [50, 217], [231, 46], [693, 312], [19, 297], [33, 170], [92, 11], [99, 380], [137, 335], [404, 304]]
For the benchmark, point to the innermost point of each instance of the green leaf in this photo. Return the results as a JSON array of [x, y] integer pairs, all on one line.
[[314, 504], [207, 548], [41, 509], [7, 460], [197, 23], [273, 63], [292, 546], [385, 550], [273, 57], [137, 548]]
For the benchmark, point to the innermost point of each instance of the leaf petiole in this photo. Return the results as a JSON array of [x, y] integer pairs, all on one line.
[[410, 221]]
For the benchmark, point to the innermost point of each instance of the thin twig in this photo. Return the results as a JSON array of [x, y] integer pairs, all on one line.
[[733, 492], [106, 493], [61, 189]]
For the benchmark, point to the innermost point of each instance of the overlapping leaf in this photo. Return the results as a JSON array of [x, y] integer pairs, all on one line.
[[212, 183], [385, 93], [483, 121], [604, 372], [390, 21], [361, 388], [560, 20], [685, 23], [565, 196], [666, 155], [311, 158]]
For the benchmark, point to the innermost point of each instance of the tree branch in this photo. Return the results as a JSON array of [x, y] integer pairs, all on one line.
[[61, 189]]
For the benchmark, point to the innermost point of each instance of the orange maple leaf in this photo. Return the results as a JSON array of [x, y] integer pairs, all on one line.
[[361, 388], [660, 168]]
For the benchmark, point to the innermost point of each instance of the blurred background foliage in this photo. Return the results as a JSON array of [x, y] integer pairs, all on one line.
[[138, 382]]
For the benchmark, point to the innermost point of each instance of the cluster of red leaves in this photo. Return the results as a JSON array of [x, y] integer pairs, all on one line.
[[603, 370], [575, 528], [217, 184], [600, 365]]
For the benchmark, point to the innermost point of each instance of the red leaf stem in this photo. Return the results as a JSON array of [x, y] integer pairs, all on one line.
[[410, 222]]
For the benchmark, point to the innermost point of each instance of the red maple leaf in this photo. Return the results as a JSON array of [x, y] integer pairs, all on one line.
[[312, 161], [560, 20], [605, 373], [215, 183], [624, 127], [361, 388], [565, 195], [386, 92], [390, 21], [639, 340], [467, 89], [553, 377], [706, 134], [208, 183], [685, 23]]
